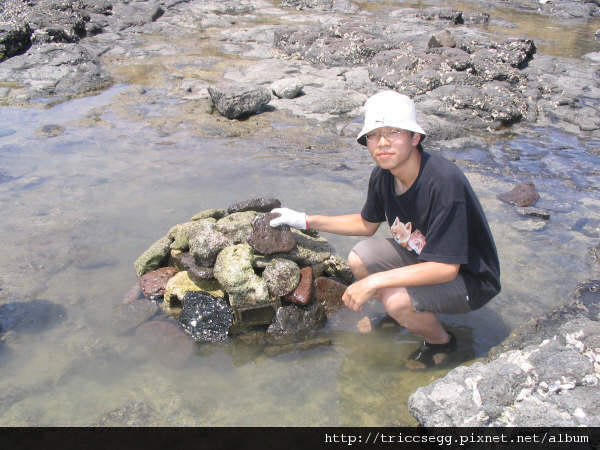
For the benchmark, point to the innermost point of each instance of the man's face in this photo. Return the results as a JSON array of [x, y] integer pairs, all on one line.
[[392, 147]]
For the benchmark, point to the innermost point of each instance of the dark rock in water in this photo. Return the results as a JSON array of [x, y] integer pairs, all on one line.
[[302, 294], [153, 283], [127, 316], [186, 262], [14, 40], [260, 204], [237, 100], [275, 350], [294, 323], [534, 212], [268, 240], [30, 317], [329, 293], [51, 130], [206, 318], [523, 194], [588, 227]]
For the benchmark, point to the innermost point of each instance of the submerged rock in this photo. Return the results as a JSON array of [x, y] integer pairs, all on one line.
[[237, 100], [523, 194], [274, 350], [127, 316], [33, 316], [206, 318], [233, 268], [293, 323], [268, 240]]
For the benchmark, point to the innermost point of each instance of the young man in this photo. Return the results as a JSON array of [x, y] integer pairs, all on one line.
[[442, 258]]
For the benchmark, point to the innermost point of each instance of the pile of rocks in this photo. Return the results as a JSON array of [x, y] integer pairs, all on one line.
[[228, 272]]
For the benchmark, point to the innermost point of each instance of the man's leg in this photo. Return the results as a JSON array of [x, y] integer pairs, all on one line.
[[397, 304]]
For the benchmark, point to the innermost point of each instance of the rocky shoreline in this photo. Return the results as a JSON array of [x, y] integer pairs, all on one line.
[[322, 66]]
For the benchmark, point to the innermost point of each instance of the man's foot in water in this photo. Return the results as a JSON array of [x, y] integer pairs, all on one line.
[[431, 355]]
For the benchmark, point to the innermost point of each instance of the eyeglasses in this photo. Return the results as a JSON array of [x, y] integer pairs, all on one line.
[[389, 135]]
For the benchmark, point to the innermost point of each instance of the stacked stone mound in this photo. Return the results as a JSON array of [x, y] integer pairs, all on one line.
[[228, 272]]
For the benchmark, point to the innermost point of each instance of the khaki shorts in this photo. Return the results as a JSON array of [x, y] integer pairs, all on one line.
[[379, 255]]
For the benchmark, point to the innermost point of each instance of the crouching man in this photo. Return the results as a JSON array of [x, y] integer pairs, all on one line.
[[442, 258]]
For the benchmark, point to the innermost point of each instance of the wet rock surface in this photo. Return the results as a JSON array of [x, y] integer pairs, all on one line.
[[545, 374], [260, 204], [206, 318]]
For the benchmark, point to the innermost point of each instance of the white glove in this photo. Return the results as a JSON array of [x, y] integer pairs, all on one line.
[[289, 217]]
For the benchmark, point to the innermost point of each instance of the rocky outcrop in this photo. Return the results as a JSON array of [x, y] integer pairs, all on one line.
[[545, 374]]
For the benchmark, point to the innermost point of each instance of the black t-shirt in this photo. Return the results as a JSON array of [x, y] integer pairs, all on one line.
[[442, 205]]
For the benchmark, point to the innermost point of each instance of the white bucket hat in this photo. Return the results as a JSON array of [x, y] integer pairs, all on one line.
[[389, 109]]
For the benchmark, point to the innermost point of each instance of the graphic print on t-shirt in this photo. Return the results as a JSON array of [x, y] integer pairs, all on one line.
[[401, 232]]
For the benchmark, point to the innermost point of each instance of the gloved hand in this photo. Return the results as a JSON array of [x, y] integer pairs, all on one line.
[[289, 217]]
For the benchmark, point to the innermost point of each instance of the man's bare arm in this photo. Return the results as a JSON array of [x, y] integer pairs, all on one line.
[[420, 274], [349, 225]]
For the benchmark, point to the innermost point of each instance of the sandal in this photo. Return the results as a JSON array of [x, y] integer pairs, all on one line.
[[431, 355]]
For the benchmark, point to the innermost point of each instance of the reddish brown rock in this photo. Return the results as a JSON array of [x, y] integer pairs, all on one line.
[[153, 283], [302, 294], [267, 240], [187, 262], [329, 292], [523, 194]]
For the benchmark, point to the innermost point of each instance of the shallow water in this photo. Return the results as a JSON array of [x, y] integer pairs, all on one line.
[[79, 207]]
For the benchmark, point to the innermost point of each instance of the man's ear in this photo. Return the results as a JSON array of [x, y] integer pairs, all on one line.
[[416, 138]]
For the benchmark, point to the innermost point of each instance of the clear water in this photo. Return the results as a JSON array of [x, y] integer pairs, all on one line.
[[79, 207]]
